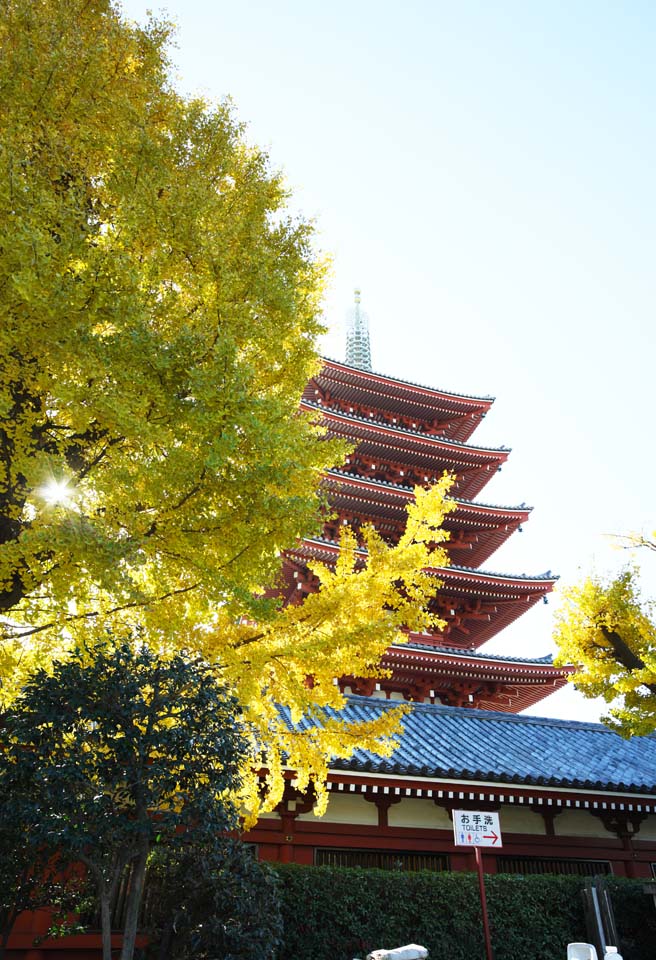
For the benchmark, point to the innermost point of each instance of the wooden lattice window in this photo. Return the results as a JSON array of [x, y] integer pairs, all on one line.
[[401, 860], [580, 868]]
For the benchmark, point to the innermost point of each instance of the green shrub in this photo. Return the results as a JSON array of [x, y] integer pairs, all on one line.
[[216, 901], [636, 919], [336, 914]]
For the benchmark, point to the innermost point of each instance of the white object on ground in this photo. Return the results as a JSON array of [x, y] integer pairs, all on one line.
[[410, 952], [581, 951]]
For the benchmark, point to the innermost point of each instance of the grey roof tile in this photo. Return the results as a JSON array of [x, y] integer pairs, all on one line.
[[472, 654], [465, 744]]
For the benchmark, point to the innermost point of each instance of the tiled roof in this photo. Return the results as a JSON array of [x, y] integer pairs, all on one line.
[[547, 575], [473, 654], [481, 745], [441, 571], [410, 383]]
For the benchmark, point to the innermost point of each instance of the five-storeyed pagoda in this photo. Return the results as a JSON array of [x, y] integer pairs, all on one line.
[[572, 797]]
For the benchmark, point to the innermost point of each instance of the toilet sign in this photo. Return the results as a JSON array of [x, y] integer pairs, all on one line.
[[478, 829], [473, 828]]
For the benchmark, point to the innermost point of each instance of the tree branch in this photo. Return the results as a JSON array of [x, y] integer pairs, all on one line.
[[624, 654], [97, 613]]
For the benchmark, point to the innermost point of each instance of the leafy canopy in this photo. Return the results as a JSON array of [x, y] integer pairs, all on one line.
[[158, 320], [292, 659], [608, 629], [158, 324]]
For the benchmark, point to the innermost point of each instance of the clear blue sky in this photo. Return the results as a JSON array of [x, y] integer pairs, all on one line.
[[484, 172]]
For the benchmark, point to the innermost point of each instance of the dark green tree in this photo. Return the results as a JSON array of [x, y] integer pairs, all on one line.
[[116, 752]]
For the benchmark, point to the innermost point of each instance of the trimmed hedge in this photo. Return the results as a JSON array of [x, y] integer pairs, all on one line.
[[336, 914]]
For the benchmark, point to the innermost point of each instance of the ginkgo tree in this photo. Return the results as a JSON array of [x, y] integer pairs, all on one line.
[[607, 628], [159, 319]]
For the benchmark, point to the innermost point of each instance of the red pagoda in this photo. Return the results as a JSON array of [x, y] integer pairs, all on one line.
[[407, 435]]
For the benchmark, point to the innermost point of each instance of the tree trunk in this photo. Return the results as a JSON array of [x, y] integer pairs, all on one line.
[[105, 921], [134, 902], [7, 918], [166, 938]]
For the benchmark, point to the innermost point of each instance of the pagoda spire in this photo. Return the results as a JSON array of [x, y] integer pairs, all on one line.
[[358, 351]]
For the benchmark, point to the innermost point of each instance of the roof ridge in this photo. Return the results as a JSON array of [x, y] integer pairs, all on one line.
[[492, 716]]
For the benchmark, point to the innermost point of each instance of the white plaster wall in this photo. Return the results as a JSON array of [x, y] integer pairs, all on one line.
[[413, 812], [579, 823], [346, 808], [521, 820], [426, 814], [647, 829]]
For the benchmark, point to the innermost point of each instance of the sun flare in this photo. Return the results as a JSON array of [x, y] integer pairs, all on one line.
[[57, 493]]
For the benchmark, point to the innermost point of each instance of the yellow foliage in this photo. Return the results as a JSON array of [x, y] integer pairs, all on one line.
[[158, 323], [291, 658], [608, 631]]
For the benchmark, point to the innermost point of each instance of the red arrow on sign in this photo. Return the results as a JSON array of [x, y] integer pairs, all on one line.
[[491, 836]]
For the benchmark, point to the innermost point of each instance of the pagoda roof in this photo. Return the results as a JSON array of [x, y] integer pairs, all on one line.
[[504, 584], [511, 580], [487, 526], [455, 415], [507, 684], [431, 454], [484, 602], [478, 530], [459, 743], [476, 604], [406, 492], [416, 644], [348, 374]]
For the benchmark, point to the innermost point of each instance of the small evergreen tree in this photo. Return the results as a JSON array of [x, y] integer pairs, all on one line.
[[28, 879], [116, 752]]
